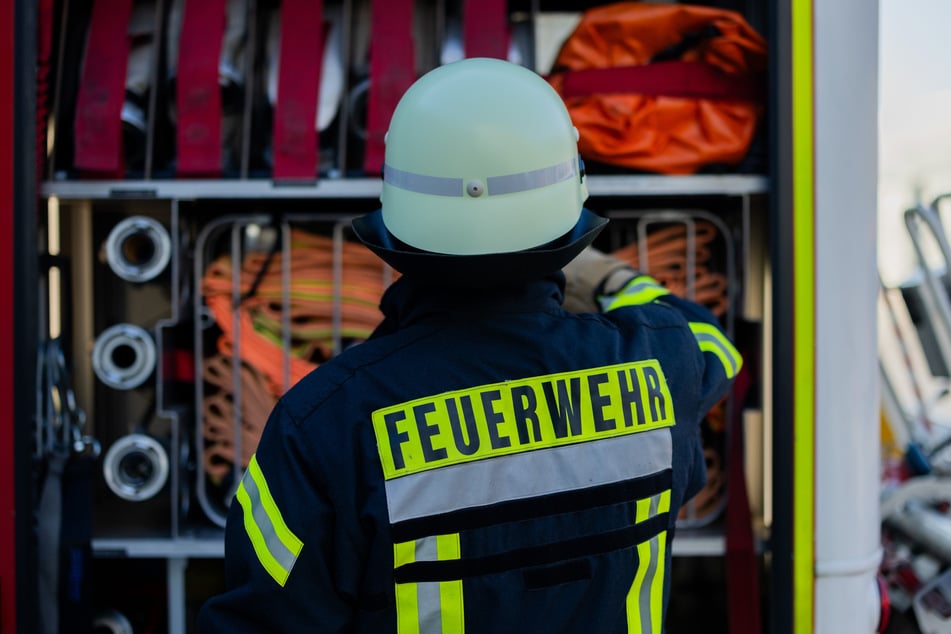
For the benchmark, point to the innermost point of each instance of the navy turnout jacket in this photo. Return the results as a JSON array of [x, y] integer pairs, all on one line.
[[485, 463]]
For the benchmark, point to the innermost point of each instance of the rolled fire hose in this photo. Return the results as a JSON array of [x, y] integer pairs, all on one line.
[[124, 356], [219, 415], [142, 27], [232, 59], [666, 261], [136, 467], [331, 73], [138, 249]]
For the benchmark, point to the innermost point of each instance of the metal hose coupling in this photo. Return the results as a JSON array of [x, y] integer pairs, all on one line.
[[124, 356], [136, 467], [112, 622], [138, 249]]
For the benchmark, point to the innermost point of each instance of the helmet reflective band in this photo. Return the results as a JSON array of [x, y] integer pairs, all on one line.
[[481, 157]]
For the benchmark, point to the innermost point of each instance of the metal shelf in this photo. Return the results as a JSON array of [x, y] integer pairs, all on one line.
[[160, 548], [689, 543], [633, 185]]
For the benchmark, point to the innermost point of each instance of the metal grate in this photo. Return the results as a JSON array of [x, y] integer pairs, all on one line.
[[276, 297]]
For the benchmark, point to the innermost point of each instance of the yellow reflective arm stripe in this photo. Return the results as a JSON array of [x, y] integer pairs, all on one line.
[[288, 538], [276, 570], [450, 592], [274, 544], [642, 289], [711, 339]]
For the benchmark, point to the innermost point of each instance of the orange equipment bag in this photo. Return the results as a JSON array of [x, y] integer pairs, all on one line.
[[666, 88]]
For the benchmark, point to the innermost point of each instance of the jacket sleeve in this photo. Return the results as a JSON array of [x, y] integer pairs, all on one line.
[[278, 562], [721, 361]]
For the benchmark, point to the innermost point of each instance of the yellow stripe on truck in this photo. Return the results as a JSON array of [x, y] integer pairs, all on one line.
[[804, 332], [522, 415]]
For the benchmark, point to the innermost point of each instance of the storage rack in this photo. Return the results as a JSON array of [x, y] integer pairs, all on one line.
[[176, 541]]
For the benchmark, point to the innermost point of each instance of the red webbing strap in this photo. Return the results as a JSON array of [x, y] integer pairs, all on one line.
[[742, 570], [98, 124], [295, 141], [671, 79], [392, 71], [198, 95], [485, 28]]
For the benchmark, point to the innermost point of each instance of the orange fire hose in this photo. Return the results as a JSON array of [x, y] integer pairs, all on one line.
[[667, 250], [218, 411]]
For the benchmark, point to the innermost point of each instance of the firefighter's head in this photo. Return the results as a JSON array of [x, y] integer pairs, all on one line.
[[481, 175]]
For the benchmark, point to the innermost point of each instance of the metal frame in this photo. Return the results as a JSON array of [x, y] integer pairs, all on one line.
[[370, 188], [18, 283], [782, 394]]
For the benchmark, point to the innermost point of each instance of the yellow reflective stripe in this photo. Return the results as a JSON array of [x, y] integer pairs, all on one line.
[[643, 289], [404, 553], [645, 599], [407, 606], [276, 547], [450, 592], [711, 339], [522, 415], [657, 585], [278, 572], [634, 623], [432, 606]]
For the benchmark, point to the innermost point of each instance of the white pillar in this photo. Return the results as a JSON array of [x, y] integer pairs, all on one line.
[[847, 517]]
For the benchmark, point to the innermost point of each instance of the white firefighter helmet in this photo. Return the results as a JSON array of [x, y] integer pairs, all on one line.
[[481, 166]]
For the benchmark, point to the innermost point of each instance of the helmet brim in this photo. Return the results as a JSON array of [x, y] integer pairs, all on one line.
[[492, 268]]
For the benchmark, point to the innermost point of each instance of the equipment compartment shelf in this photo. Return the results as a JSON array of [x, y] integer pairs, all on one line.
[[369, 188], [701, 542]]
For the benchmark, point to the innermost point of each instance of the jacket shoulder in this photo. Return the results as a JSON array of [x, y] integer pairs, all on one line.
[[319, 388]]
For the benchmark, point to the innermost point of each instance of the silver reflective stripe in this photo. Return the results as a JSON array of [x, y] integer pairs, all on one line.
[[655, 504], [426, 549], [421, 183], [644, 600], [275, 546], [529, 474], [496, 185], [430, 607], [534, 179]]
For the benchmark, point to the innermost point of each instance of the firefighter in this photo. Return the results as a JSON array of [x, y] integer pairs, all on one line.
[[487, 461]]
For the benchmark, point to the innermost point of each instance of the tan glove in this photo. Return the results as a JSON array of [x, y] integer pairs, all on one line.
[[587, 275]]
